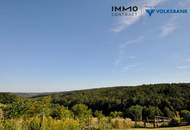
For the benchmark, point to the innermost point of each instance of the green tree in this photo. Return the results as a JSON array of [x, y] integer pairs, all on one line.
[[98, 114], [176, 120], [16, 109], [135, 112], [185, 115], [151, 112], [167, 112], [115, 114], [81, 111], [83, 114], [60, 112]]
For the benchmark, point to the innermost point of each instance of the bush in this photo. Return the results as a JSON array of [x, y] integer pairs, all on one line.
[[81, 111], [115, 114], [93, 128], [60, 112], [71, 124], [120, 123], [185, 115], [34, 124], [1, 114], [135, 112], [103, 123], [8, 125], [98, 114], [176, 120]]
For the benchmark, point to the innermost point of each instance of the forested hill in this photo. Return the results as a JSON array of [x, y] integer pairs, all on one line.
[[172, 97], [164, 98]]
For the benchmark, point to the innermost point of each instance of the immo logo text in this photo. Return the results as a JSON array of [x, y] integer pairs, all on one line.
[[125, 10]]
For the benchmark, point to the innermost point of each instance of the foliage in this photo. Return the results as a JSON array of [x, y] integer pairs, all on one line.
[[7, 98], [60, 112], [150, 112], [81, 111], [120, 123], [185, 115], [135, 112], [168, 112], [15, 109], [98, 114], [115, 114], [175, 97], [39, 123], [175, 120], [74, 110]]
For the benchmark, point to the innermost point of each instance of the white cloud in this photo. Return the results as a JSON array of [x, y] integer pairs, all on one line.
[[119, 59], [134, 41], [168, 29], [126, 21], [121, 55], [171, 26], [182, 67], [131, 66]]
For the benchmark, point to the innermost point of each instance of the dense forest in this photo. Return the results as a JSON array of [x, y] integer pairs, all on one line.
[[137, 103], [164, 97]]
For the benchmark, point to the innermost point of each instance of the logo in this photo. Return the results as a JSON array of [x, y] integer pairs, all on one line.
[[163, 11], [150, 11], [125, 10], [134, 10]]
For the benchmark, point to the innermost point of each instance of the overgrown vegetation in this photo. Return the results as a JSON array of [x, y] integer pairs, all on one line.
[[97, 109]]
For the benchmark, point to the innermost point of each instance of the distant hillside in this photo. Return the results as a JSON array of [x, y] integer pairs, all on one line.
[[172, 97], [164, 97], [31, 94]]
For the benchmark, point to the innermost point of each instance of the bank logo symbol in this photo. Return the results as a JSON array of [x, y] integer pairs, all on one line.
[[150, 11]]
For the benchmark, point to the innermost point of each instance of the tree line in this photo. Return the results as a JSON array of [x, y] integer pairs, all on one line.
[[108, 105]]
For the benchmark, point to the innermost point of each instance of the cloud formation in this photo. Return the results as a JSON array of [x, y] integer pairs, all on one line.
[[121, 55], [130, 42], [168, 29], [131, 66]]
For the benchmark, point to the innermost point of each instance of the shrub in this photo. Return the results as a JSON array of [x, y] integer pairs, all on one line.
[[93, 128], [98, 114], [103, 123], [34, 124], [120, 123], [135, 112], [115, 114], [168, 112], [8, 125], [1, 114], [71, 124], [175, 121], [60, 112], [185, 115], [81, 111]]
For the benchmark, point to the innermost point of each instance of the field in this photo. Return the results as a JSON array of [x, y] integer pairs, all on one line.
[[172, 128]]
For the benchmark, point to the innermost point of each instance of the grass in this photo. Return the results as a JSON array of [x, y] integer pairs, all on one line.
[[169, 128]]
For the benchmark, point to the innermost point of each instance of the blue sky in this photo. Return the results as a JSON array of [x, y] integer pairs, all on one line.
[[67, 44]]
